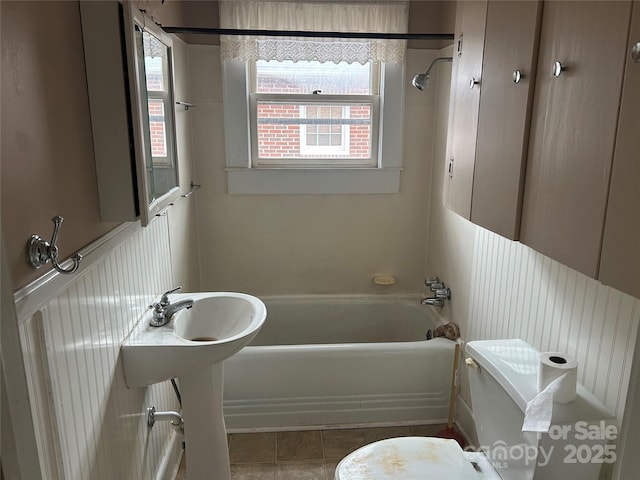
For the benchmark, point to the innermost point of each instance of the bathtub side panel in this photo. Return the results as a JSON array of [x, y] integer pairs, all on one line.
[[306, 385]]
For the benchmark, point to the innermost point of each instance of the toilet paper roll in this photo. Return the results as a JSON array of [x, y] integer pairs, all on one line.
[[557, 381], [537, 417], [554, 365]]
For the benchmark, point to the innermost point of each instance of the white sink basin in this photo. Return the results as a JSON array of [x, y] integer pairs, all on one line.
[[217, 326]]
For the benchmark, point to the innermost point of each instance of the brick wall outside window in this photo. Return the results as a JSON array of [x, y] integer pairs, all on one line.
[[157, 128], [283, 141]]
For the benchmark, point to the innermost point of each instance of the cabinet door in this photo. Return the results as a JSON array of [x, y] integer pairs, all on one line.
[[467, 68], [620, 262], [510, 48], [573, 129]]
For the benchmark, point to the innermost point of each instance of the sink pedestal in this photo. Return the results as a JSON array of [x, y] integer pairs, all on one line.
[[204, 430]]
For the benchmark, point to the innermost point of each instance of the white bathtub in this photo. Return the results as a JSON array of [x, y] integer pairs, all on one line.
[[320, 361]]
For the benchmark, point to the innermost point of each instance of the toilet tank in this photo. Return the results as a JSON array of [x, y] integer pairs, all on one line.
[[503, 378]]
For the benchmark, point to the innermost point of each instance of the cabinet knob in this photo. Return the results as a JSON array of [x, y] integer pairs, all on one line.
[[517, 76], [473, 82], [635, 53], [557, 69]]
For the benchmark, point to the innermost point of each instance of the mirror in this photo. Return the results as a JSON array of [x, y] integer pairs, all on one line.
[[129, 67], [155, 57], [152, 95]]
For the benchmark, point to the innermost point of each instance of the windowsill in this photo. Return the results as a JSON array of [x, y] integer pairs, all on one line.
[[312, 181]]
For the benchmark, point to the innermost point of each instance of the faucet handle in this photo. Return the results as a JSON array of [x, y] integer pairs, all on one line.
[[429, 281], [158, 315], [158, 310], [164, 300], [444, 293]]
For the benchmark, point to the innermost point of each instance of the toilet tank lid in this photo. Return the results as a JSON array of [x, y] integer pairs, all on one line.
[[514, 365]]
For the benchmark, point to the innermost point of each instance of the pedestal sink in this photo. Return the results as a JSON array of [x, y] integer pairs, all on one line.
[[192, 347]]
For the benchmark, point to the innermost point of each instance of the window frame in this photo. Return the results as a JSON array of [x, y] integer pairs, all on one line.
[[243, 178]]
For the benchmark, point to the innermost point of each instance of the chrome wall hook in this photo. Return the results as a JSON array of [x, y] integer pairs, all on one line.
[[39, 251]]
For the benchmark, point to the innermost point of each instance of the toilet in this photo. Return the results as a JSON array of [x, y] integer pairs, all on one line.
[[503, 378]]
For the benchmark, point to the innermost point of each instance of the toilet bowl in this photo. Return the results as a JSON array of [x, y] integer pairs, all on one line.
[[503, 379], [414, 458]]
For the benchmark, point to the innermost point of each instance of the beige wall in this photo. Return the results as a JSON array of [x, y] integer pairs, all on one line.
[[431, 16], [47, 152], [279, 244], [425, 16], [47, 158]]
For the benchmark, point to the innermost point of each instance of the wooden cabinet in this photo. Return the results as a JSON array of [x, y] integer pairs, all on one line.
[[493, 71], [510, 49], [465, 103], [620, 260], [554, 162], [573, 129]]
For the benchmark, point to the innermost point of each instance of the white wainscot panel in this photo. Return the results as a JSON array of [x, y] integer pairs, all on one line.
[[89, 425]]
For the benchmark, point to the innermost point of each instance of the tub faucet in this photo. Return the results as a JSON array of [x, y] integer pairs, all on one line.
[[433, 301], [164, 309], [441, 293]]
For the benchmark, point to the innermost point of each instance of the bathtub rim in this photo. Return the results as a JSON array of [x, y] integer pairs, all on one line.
[[340, 347], [373, 297], [347, 296]]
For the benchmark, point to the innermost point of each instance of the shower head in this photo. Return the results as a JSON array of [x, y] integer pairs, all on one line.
[[421, 79]]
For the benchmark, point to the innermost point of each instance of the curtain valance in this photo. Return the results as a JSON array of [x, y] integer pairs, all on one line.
[[331, 16]]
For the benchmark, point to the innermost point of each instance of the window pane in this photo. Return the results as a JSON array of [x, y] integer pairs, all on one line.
[[308, 77], [303, 131], [157, 128], [153, 69]]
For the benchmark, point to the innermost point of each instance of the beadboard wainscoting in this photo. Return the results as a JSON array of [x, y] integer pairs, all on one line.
[[88, 424], [517, 292]]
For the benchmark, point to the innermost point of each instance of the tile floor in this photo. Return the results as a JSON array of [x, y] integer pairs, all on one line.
[[303, 455]]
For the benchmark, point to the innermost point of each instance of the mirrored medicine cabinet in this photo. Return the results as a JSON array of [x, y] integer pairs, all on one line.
[[129, 70]]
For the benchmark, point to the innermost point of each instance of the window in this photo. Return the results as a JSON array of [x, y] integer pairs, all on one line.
[[312, 115]]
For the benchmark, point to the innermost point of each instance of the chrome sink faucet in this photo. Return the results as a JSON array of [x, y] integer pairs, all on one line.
[[164, 309]]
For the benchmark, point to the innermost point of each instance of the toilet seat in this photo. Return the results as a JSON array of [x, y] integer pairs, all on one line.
[[409, 458]]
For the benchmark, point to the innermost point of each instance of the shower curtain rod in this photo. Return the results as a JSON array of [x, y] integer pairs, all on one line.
[[309, 34]]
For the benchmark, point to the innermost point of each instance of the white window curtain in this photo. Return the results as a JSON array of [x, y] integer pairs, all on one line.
[[327, 16]]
